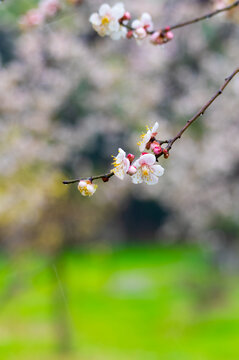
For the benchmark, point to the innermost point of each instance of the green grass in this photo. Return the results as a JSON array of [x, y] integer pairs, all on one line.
[[133, 303]]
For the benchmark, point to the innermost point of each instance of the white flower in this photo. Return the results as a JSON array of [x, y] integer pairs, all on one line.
[[147, 171], [106, 22], [145, 138], [142, 26], [121, 164], [49, 8], [86, 187]]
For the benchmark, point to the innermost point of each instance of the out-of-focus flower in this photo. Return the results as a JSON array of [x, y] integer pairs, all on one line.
[[219, 4], [49, 8], [158, 38], [145, 138], [121, 164], [147, 171], [33, 17], [142, 26], [107, 21], [86, 187]]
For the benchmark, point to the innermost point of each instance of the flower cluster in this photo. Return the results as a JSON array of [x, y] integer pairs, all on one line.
[[144, 169], [45, 10], [114, 22]]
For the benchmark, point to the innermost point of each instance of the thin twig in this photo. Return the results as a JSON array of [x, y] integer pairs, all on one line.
[[104, 177], [170, 142], [193, 21], [205, 17], [200, 112]]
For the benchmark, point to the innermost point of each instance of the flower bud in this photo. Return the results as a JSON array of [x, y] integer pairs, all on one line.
[[86, 187], [127, 16], [169, 35], [131, 157], [132, 170], [129, 34], [157, 150], [166, 153]]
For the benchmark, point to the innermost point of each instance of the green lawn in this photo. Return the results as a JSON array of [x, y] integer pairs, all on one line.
[[133, 303]]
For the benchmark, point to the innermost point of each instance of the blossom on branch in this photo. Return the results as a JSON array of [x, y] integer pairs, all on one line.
[[86, 187], [107, 21], [142, 26], [147, 170], [121, 164], [145, 138]]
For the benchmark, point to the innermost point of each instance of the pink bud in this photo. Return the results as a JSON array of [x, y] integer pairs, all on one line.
[[156, 38], [132, 170], [127, 16], [131, 157], [129, 34], [157, 150], [143, 153], [169, 35]]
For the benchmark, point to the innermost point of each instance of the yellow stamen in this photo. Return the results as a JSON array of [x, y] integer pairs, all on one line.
[[105, 20]]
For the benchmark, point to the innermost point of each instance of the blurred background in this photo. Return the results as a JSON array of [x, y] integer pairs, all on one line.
[[135, 272]]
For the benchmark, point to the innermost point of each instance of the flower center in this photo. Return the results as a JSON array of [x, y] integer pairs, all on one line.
[[145, 170], [105, 20]]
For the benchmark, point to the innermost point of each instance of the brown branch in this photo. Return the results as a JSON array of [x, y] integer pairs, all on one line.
[[193, 21], [170, 142], [199, 113], [205, 17], [104, 177]]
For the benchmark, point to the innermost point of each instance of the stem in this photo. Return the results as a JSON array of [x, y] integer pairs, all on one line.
[[92, 178], [170, 142], [205, 17], [193, 21], [201, 111]]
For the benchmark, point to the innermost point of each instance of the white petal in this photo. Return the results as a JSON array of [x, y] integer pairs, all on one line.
[[114, 26], [145, 141], [148, 159], [136, 24], [126, 165], [137, 178], [118, 11], [119, 34], [95, 19], [104, 9], [136, 164], [155, 127], [146, 18], [158, 170], [119, 172], [151, 179]]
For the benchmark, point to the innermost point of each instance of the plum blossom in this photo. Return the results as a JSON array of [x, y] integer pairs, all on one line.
[[33, 17], [49, 8], [36, 17], [142, 26], [147, 170], [106, 22], [86, 187], [145, 138], [121, 164], [159, 38]]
